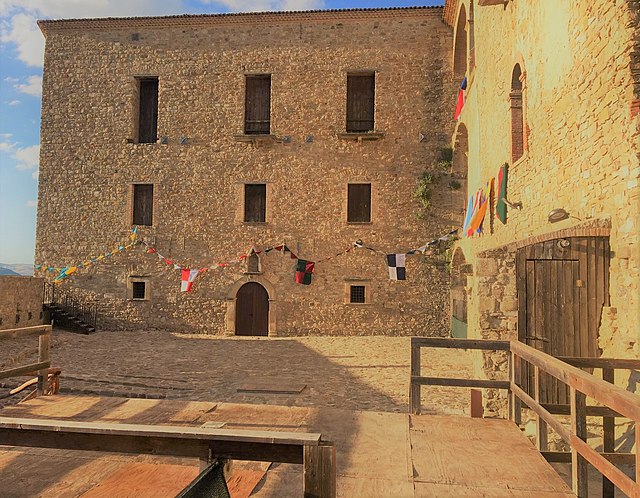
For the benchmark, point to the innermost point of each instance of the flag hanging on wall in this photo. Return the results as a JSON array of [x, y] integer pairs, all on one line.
[[397, 266], [501, 207], [188, 276], [460, 104], [304, 270]]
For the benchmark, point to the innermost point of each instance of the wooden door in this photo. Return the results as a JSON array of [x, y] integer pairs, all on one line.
[[252, 310], [562, 286]]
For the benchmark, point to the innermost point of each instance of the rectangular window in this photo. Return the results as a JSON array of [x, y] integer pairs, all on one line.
[[138, 290], [359, 203], [143, 204], [257, 108], [360, 102], [357, 294], [255, 203], [148, 111]]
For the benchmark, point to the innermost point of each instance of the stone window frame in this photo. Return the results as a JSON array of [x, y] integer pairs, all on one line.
[[147, 287], [348, 283]]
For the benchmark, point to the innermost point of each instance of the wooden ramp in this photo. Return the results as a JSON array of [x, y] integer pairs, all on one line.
[[378, 454]]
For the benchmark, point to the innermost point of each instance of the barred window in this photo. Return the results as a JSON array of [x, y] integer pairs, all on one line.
[[357, 294]]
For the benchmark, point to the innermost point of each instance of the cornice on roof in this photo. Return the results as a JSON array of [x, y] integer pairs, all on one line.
[[50, 25]]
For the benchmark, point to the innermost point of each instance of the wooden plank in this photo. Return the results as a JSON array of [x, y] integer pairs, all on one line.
[[43, 357], [600, 282], [540, 321], [320, 471], [608, 436], [271, 386], [582, 348], [593, 308], [36, 330], [552, 317], [618, 399], [529, 324], [609, 363], [32, 368], [556, 425], [437, 490], [579, 469], [592, 411], [450, 381], [565, 457], [541, 425], [414, 388], [441, 342]]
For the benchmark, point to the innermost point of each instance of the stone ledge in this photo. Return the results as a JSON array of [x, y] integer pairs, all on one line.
[[255, 139], [360, 136]]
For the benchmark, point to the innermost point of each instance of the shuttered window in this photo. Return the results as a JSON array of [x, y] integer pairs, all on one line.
[[360, 102], [148, 112], [255, 203], [359, 203], [257, 108], [143, 204]]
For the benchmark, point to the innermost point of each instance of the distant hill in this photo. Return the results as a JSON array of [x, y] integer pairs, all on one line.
[[16, 269]]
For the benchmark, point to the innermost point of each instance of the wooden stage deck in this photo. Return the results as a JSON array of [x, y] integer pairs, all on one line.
[[378, 454]]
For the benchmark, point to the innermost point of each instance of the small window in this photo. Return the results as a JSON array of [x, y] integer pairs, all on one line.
[[360, 102], [359, 203], [255, 203], [357, 294], [148, 111], [138, 290], [257, 109], [143, 204]]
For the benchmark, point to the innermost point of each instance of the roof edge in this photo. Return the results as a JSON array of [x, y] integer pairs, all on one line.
[[49, 25]]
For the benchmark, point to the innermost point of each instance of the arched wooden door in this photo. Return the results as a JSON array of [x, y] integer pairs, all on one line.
[[252, 310]]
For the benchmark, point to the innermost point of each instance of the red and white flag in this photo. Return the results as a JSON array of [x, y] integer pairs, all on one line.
[[188, 276]]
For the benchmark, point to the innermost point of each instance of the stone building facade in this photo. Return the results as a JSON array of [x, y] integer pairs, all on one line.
[[20, 302], [202, 156], [553, 91]]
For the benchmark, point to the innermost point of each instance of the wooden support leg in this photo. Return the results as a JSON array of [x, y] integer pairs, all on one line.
[[43, 355], [541, 426], [414, 389], [579, 478], [515, 405], [608, 437], [320, 471]]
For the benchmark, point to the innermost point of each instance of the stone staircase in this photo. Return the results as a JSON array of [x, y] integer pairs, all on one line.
[[68, 311]]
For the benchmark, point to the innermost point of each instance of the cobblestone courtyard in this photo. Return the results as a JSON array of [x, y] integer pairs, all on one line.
[[357, 373]]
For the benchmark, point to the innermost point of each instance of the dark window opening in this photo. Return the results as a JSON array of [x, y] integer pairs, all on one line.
[[138, 290], [359, 203], [148, 111], [517, 115], [17, 318], [143, 204], [257, 108], [29, 315], [255, 203], [360, 102], [357, 294]]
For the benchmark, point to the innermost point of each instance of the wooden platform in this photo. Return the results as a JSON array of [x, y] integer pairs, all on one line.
[[378, 454]]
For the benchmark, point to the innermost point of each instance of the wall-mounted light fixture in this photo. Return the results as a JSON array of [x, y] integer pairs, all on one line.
[[560, 214]]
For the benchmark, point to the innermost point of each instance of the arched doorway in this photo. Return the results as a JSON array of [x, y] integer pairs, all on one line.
[[252, 310], [460, 270]]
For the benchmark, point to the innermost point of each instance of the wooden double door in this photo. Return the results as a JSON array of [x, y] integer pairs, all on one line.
[[563, 285], [252, 310]]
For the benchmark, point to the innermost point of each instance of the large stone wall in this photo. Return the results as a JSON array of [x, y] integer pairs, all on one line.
[[582, 139], [20, 302], [87, 165]]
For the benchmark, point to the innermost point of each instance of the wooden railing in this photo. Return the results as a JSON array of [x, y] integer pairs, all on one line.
[[318, 457], [43, 332], [614, 401]]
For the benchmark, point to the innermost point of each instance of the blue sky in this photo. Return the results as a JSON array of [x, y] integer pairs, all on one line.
[[21, 50]]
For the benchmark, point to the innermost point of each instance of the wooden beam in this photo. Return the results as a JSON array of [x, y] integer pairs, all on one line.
[[579, 469], [443, 342], [36, 330], [565, 457], [555, 424], [618, 399], [592, 411], [414, 389], [542, 431], [619, 363], [320, 471], [43, 356], [449, 381], [608, 435], [24, 370]]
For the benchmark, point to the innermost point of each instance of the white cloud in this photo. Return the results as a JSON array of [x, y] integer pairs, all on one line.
[[22, 31], [6, 146], [12, 102], [6, 136], [33, 86], [31, 203], [28, 158], [11, 79]]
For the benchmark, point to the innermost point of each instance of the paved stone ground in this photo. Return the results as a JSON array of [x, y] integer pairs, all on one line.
[[357, 373]]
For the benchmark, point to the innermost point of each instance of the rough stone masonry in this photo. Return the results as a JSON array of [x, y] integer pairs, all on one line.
[[202, 160]]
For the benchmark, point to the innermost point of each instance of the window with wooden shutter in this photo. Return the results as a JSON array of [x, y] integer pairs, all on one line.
[[360, 102], [255, 203], [143, 204], [359, 203], [257, 108], [148, 111]]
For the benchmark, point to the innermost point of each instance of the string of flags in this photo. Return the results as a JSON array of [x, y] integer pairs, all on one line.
[[65, 271], [482, 201]]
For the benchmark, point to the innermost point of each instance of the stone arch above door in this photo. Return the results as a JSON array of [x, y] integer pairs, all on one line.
[[232, 292]]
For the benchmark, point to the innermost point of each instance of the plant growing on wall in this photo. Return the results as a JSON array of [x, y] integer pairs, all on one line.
[[430, 177]]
